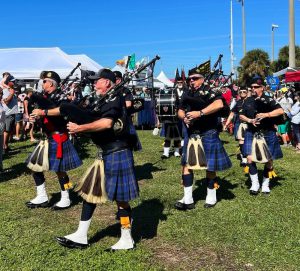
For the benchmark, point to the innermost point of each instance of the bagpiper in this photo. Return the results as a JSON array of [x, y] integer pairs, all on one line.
[[261, 112], [203, 149], [56, 153]]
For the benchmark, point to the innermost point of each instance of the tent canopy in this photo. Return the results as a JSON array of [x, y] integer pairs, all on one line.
[[164, 79], [86, 62], [284, 71], [291, 74], [27, 63]]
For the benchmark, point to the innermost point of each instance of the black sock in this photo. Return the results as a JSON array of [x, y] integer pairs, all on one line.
[[39, 178], [87, 211], [188, 180]]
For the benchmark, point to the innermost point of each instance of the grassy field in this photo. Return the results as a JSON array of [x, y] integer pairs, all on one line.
[[241, 233]]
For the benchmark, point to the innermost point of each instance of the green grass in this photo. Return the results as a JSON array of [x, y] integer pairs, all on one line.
[[241, 233]]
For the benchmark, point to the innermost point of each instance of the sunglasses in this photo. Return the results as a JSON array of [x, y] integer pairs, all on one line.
[[194, 78], [255, 86], [45, 81], [243, 91]]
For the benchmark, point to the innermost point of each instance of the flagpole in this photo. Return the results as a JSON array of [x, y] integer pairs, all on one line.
[[231, 39]]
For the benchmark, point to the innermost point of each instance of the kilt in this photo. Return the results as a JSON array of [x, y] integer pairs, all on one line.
[[236, 128], [70, 159], [132, 131], [271, 140], [120, 180], [170, 131], [216, 156]]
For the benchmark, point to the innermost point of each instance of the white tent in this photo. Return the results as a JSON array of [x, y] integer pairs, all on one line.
[[119, 68], [27, 63], [164, 79], [158, 84], [86, 62]]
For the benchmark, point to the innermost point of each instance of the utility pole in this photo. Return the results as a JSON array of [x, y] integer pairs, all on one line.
[[292, 60], [243, 25], [273, 27], [231, 39]]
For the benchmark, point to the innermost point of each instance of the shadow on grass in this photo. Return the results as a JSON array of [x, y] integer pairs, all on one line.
[[14, 172], [144, 172], [223, 193], [146, 217], [273, 182]]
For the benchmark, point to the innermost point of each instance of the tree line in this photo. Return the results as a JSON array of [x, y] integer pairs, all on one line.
[[257, 61]]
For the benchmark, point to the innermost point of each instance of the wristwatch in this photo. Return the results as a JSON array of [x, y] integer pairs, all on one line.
[[201, 113]]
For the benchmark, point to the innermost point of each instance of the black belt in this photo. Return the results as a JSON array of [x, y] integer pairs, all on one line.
[[114, 146]]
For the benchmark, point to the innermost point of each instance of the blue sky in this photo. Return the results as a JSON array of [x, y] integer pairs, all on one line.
[[183, 33]]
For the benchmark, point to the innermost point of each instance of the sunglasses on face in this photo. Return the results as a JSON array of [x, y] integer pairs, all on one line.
[[255, 86], [243, 91], [194, 78], [45, 81]]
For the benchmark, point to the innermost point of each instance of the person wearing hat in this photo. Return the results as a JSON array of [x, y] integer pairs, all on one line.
[[117, 175], [62, 154], [180, 88], [239, 126], [129, 102], [203, 148], [261, 144], [10, 106]]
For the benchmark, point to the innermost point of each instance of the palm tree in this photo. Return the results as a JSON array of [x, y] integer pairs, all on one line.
[[255, 62], [283, 58]]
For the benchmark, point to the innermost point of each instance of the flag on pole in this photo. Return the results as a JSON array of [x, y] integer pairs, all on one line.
[[204, 68], [131, 64]]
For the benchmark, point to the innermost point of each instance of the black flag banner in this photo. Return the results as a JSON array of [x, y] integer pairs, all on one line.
[[204, 68]]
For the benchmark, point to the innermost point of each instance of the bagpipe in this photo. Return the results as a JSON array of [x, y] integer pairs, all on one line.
[[90, 111], [214, 71], [70, 74], [138, 104]]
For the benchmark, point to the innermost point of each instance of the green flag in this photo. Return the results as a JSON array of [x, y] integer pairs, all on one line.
[[131, 64]]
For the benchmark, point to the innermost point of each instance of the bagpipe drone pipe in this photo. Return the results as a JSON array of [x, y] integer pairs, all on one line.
[[90, 112]]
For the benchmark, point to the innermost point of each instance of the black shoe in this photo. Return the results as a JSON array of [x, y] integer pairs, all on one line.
[[70, 244], [207, 205], [31, 205], [253, 193], [115, 250], [57, 208], [164, 157], [183, 207]]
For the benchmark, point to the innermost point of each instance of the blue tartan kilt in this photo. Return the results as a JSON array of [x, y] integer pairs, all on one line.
[[120, 180], [70, 159], [216, 156], [271, 140], [132, 131], [236, 128]]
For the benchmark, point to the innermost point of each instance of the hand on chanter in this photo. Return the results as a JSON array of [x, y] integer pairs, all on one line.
[[187, 121], [261, 116], [73, 127], [193, 115], [37, 112]]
